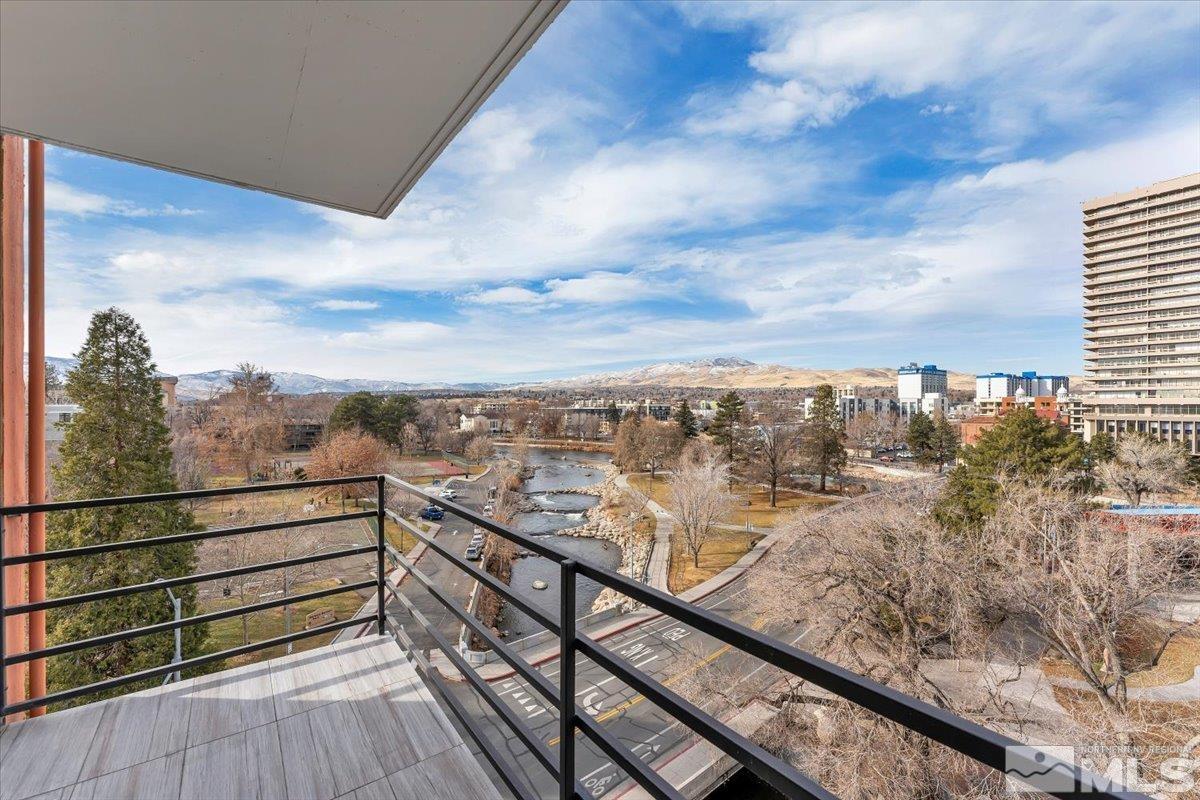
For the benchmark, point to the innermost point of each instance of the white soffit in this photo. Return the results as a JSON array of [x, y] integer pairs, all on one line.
[[344, 104]]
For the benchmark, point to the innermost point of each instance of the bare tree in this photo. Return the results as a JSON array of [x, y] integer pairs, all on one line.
[[662, 444], [479, 449], [346, 454], [1065, 573], [775, 447], [1144, 466], [700, 498]]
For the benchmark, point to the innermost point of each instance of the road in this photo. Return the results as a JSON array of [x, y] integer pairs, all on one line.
[[656, 647], [455, 533]]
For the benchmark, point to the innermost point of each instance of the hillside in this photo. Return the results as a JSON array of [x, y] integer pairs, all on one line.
[[738, 373]]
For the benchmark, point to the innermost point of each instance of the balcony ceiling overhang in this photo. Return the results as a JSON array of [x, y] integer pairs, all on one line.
[[343, 104]]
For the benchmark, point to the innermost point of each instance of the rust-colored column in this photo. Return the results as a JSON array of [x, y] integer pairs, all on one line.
[[36, 443], [13, 464]]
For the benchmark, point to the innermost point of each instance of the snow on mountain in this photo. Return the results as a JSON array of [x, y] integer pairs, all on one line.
[[199, 385]]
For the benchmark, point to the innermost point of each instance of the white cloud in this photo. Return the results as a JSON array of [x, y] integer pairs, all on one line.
[[601, 287], [346, 305], [63, 198], [505, 296], [1049, 62], [770, 110]]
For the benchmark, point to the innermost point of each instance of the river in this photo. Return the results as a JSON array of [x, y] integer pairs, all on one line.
[[556, 470]]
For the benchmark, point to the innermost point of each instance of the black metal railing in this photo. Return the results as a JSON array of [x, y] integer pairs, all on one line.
[[6, 561], [985, 746]]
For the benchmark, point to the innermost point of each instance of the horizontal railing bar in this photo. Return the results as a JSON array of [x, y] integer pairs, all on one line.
[[190, 494], [778, 773], [641, 772], [120, 591], [982, 744], [492, 582], [504, 769], [537, 679], [200, 619], [536, 746], [100, 686], [524, 540], [210, 533]]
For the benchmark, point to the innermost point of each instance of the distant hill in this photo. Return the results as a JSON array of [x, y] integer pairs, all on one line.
[[199, 385], [737, 373], [706, 373]]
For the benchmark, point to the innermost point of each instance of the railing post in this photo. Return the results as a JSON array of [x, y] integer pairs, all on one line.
[[566, 682], [380, 517]]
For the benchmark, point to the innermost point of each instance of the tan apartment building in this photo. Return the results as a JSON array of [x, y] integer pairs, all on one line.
[[1141, 301]]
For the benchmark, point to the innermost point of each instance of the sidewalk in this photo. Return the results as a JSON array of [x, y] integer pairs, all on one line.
[[660, 556]]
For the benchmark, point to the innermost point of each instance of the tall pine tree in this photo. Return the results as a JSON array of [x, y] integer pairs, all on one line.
[[686, 420], [726, 430], [825, 437], [920, 437], [118, 444]]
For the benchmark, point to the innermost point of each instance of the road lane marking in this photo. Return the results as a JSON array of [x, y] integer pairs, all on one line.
[[713, 656]]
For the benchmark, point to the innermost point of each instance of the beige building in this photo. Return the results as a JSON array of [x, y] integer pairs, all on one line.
[[1141, 280]]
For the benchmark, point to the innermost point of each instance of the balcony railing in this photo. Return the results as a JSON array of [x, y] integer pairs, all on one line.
[[988, 747]]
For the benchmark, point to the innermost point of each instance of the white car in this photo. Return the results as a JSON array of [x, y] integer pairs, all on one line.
[[449, 494]]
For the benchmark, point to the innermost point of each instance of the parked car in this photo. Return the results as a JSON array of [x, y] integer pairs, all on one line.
[[432, 513], [449, 494], [887, 459], [474, 552]]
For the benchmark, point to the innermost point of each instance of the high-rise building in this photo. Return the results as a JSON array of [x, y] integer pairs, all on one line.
[[1141, 280], [922, 388]]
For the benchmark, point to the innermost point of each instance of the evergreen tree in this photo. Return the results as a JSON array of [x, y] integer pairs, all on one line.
[[614, 414], [920, 437], [1023, 447], [359, 411], [1101, 449], [824, 443], [382, 417], [726, 429], [686, 420], [118, 444], [944, 443]]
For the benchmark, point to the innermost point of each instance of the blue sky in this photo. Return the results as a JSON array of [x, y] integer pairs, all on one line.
[[815, 185]]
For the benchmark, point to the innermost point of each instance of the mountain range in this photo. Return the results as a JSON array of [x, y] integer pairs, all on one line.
[[199, 385], [709, 373]]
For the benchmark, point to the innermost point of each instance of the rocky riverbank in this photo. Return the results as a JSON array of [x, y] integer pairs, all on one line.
[[607, 521]]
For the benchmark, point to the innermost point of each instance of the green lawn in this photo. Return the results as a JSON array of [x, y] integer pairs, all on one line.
[[759, 511], [268, 624]]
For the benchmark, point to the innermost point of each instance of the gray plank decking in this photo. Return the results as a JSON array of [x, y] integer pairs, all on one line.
[[350, 720]]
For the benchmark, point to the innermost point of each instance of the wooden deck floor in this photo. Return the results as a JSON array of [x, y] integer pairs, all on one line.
[[350, 720]]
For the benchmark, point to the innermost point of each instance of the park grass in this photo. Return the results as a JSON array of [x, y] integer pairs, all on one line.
[[758, 513], [723, 549], [262, 625], [1177, 664]]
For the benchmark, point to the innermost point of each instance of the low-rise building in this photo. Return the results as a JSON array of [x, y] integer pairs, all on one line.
[[996, 385]]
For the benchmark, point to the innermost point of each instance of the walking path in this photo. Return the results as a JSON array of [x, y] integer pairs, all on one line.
[[660, 556]]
